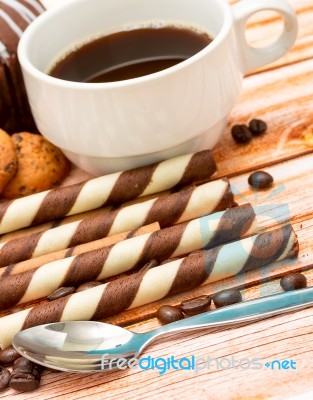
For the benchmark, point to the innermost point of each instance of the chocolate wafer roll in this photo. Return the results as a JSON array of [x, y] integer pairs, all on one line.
[[189, 203], [99, 264], [149, 285], [76, 250], [106, 190]]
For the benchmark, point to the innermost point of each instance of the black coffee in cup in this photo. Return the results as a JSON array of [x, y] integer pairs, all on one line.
[[130, 54]]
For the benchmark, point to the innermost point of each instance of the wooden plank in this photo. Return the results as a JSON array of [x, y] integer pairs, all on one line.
[[284, 100]]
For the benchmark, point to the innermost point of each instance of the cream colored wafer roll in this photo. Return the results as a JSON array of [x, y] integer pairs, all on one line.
[[106, 190], [150, 285], [74, 251], [189, 203], [53, 224], [205, 232]]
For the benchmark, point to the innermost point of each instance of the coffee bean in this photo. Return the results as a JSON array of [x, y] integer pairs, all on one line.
[[167, 314], [4, 378], [25, 376], [293, 281], [196, 305], [227, 297], [260, 180], [257, 127], [8, 356], [24, 382], [88, 285], [61, 292], [24, 366], [23, 363], [241, 133]]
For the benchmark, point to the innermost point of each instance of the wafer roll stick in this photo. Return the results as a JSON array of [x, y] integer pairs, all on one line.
[[185, 205], [74, 251], [106, 190], [53, 224], [153, 284], [99, 264]]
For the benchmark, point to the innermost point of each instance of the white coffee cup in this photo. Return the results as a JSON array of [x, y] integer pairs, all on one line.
[[104, 127]]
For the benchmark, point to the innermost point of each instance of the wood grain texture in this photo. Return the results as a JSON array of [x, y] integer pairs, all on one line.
[[282, 98], [282, 95]]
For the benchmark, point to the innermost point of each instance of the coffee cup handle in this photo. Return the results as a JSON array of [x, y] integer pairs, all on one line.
[[251, 57]]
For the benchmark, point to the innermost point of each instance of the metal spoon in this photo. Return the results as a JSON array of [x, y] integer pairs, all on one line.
[[89, 346]]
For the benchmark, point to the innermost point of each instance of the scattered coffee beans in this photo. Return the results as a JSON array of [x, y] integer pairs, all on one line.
[[8, 356], [88, 285], [167, 314], [61, 292], [196, 305], [25, 376], [260, 180], [241, 133], [4, 378], [227, 297], [293, 281], [257, 127]]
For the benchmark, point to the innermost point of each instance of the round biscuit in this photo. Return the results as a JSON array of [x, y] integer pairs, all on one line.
[[8, 159], [41, 166]]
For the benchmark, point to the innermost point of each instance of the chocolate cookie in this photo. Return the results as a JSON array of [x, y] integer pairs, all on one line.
[[8, 159], [15, 16], [41, 166]]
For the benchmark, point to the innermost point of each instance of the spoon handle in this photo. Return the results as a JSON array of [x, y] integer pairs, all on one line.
[[241, 312]]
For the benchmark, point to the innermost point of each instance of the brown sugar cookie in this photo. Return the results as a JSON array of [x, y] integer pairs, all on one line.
[[8, 159], [41, 166]]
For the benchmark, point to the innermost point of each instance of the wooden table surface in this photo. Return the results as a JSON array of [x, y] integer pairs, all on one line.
[[282, 95]]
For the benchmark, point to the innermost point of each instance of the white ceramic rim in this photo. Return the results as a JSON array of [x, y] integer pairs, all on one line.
[[51, 13]]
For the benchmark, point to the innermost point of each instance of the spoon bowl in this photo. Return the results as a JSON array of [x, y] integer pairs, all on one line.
[[76, 345]]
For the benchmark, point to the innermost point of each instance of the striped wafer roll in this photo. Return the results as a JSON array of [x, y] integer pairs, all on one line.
[[153, 284], [74, 251], [106, 190], [189, 203], [100, 264]]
